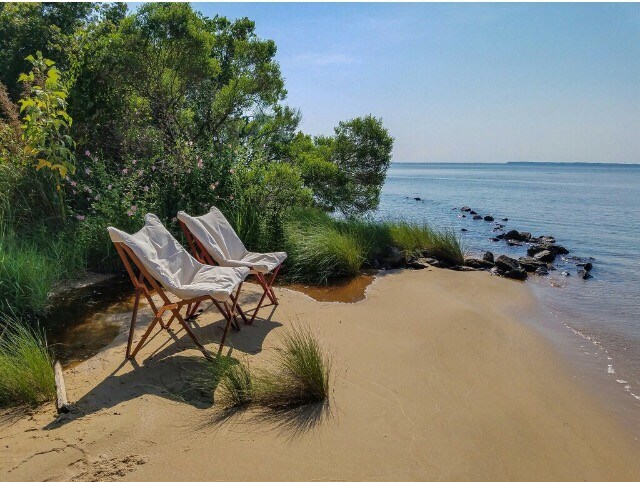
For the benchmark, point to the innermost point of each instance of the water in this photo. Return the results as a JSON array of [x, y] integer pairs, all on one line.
[[592, 210]]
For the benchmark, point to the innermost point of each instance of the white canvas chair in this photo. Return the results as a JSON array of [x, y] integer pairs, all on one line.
[[164, 265], [213, 241]]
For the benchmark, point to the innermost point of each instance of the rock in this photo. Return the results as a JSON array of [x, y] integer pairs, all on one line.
[[495, 240], [488, 256], [420, 263], [465, 208], [497, 228], [506, 263], [546, 239], [514, 236], [477, 263], [472, 212], [524, 236], [463, 268], [565, 273], [394, 258], [542, 271], [464, 216], [531, 264], [518, 274], [375, 264], [496, 271], [504, 219], [587, 266], [477, 216], [463, 229], [584, 274], [488, 218], [556, 249], [514, 243], [546, 256], [417, 199]]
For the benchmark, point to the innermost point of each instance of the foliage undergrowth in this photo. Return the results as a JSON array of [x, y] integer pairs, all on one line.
[[26, 369]]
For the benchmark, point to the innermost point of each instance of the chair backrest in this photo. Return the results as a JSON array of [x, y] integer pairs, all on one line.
[[216, 235], [160, 253]]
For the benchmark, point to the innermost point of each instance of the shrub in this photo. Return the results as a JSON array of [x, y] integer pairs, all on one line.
[[445, 244], [236, 387], [26, 369]]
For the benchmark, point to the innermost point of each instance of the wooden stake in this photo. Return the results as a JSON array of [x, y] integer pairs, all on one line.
[[62, 404]]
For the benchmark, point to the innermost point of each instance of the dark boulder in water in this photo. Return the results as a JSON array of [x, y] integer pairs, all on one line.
[[495, 240], [546, 239], [531, 264], [472, 212], [465, 208], [505, 219], [506, 263], [586, 266], [518, 274], [546, 256], [541, 271], [477, 216], [554, 248], [488, 256], [477, 263], [488, 218], [584, 274], [417, 199], [514, 235], [463, 229]]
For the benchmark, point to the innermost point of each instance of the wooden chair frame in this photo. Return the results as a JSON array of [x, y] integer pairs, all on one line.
[[201, 254], [145, 284]]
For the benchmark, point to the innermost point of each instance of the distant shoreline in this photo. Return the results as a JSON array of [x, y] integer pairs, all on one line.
[[524, 163]]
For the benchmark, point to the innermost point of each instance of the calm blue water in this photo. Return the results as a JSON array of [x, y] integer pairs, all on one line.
[[594, 211]]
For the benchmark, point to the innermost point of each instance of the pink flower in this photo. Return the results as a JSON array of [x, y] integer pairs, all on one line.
[[109, 187], [231, 198], [200, 164], [74, 184], [174, 219], [153, 168], [134, 208], [135, 162], [125, 171], [213, 186], [146, 189], [231, 171], [190, 143], [129, 213], [74, 192], [80, 217], [87, 171], [87, 153], [140, 173], [97, 198]]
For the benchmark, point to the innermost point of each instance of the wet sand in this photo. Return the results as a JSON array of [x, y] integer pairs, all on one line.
[[434, 379]]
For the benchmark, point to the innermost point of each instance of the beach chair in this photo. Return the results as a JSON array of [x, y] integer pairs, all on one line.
[[213, 241], [163, 265]]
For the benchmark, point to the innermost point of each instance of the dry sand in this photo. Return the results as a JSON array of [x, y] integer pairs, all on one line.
[[433, 379]]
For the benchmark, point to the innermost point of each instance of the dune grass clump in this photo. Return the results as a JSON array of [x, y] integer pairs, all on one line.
[[319, 251], [299, 374], [446, 245], [410, 238], [26, 366], [236, 387]]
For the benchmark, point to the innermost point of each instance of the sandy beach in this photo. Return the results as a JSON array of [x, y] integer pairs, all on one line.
[[433, 378]]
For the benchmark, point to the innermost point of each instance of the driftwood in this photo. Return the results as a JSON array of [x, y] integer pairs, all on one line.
[[62, 404]]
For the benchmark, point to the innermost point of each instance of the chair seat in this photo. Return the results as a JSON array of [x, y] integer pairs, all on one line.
[[216, 281], [261, 262]]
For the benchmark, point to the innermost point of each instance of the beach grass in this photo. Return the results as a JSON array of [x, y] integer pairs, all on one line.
[[318, 251], [298, 374], [322, 248], [31, 265], [26, 366]]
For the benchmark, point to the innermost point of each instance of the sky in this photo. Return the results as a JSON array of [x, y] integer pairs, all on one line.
[[464, 82]]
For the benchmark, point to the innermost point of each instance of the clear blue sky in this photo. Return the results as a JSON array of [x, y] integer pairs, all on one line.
[[465, 82]]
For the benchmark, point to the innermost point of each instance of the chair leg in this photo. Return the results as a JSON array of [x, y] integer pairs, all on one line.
[[132, 327], [156, 319], [226, 329], [178, 316]]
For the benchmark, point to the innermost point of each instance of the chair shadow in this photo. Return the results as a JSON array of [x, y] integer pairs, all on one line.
[[167, 374]]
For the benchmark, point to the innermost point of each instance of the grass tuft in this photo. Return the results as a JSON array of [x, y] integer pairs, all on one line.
[[299, 374], [26, 367]]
